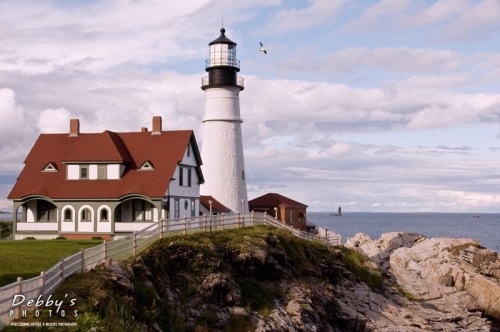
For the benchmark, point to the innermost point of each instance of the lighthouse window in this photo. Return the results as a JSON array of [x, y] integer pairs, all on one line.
[[181, 176], [243, 175]]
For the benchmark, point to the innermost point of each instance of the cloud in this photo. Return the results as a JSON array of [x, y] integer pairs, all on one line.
[[317, 13], [374, 15], [12, 126], [54, 121], [478, 22]]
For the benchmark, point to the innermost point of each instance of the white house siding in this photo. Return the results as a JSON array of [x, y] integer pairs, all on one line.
[[73, 172], [114, 171], [104, 226], [93, 172], [68, 226], [31, 211], [38, 226]]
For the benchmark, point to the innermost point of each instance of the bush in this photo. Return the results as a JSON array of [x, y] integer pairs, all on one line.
[[60, 238], [96, 238], [30, 238]]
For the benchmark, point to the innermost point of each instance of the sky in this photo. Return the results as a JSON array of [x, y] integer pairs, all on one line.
[[373, 105]]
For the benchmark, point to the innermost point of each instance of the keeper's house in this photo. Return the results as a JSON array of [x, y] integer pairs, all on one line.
[[84, 185]]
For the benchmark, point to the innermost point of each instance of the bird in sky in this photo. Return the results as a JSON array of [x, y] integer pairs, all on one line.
[[262, 48]]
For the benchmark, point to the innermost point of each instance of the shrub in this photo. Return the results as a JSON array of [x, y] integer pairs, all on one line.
[[30, 238], [60, 238]]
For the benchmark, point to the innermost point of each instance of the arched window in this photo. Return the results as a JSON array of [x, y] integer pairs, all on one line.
[[68, 215], [104, 215], [86, 215]]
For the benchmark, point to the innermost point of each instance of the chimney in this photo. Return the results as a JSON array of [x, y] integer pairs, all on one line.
[[156, 125], [144, 130], [74, 128]]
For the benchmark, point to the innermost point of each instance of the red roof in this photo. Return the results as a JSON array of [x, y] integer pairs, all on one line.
[[273, 200], [163, 151], [216, 205]]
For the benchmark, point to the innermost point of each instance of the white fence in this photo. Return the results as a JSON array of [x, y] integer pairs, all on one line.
[[131, 245]]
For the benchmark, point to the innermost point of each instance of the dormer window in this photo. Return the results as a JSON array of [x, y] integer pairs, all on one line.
[[84, 172], [102, 172], [147, 166], [49, 168]]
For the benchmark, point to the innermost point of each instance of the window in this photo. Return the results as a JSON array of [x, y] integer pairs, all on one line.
[[84, 172], [142, 210], [186, 204], [86, 215], [104, 215], [189, 150], [184, 182], [102, 171], [176, 208], [243, 175], [193, 207], [68, 215]]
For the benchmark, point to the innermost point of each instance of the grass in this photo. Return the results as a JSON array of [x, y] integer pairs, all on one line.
[[27, 258], [354, 261]]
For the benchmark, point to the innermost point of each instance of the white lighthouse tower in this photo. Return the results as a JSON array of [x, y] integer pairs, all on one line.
[[222, 146]]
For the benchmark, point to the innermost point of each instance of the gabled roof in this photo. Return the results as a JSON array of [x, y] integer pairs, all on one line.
[[131, 149], [216, 205], [274, 200]]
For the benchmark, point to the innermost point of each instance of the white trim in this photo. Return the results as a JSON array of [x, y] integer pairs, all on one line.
[[104, 226], [85, 226], [99, 212], [146, 166], [68, 226], [49, 168]]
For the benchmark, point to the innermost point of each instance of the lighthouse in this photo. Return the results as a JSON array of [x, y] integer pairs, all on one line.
[[222, 147]]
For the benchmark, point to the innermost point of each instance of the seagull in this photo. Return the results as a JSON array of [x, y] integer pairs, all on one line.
[[262, 48]]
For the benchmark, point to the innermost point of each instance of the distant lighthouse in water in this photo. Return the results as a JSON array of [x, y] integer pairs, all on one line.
[[222, 146]]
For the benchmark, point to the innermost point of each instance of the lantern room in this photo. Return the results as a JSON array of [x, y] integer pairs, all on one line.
[[222, 53]]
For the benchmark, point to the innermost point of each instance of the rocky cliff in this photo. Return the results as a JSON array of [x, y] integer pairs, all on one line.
[[264, 279]]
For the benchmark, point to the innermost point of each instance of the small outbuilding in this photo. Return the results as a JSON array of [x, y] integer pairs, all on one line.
[[282, 208]]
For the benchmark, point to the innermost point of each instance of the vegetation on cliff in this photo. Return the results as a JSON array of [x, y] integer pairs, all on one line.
[[226, 280]]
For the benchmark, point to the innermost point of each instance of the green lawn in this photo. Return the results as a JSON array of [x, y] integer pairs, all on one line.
[[27, 258]]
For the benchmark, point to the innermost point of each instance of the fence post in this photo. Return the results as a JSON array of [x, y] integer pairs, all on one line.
[[42, 284], [168, 225], [222, 216], [161, 229], [19, 290], [61, 269], [82, 258], [238, 220], [205, 222], [185, 225], [104, 251], [253, 222], [134, 246]]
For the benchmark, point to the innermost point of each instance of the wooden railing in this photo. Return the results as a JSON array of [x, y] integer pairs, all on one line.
[[131, 245]]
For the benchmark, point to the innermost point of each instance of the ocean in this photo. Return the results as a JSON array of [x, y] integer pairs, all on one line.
[[485, 227]]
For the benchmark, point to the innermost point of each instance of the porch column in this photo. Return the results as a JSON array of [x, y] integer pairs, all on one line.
[[158, 207], [14, 217]]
